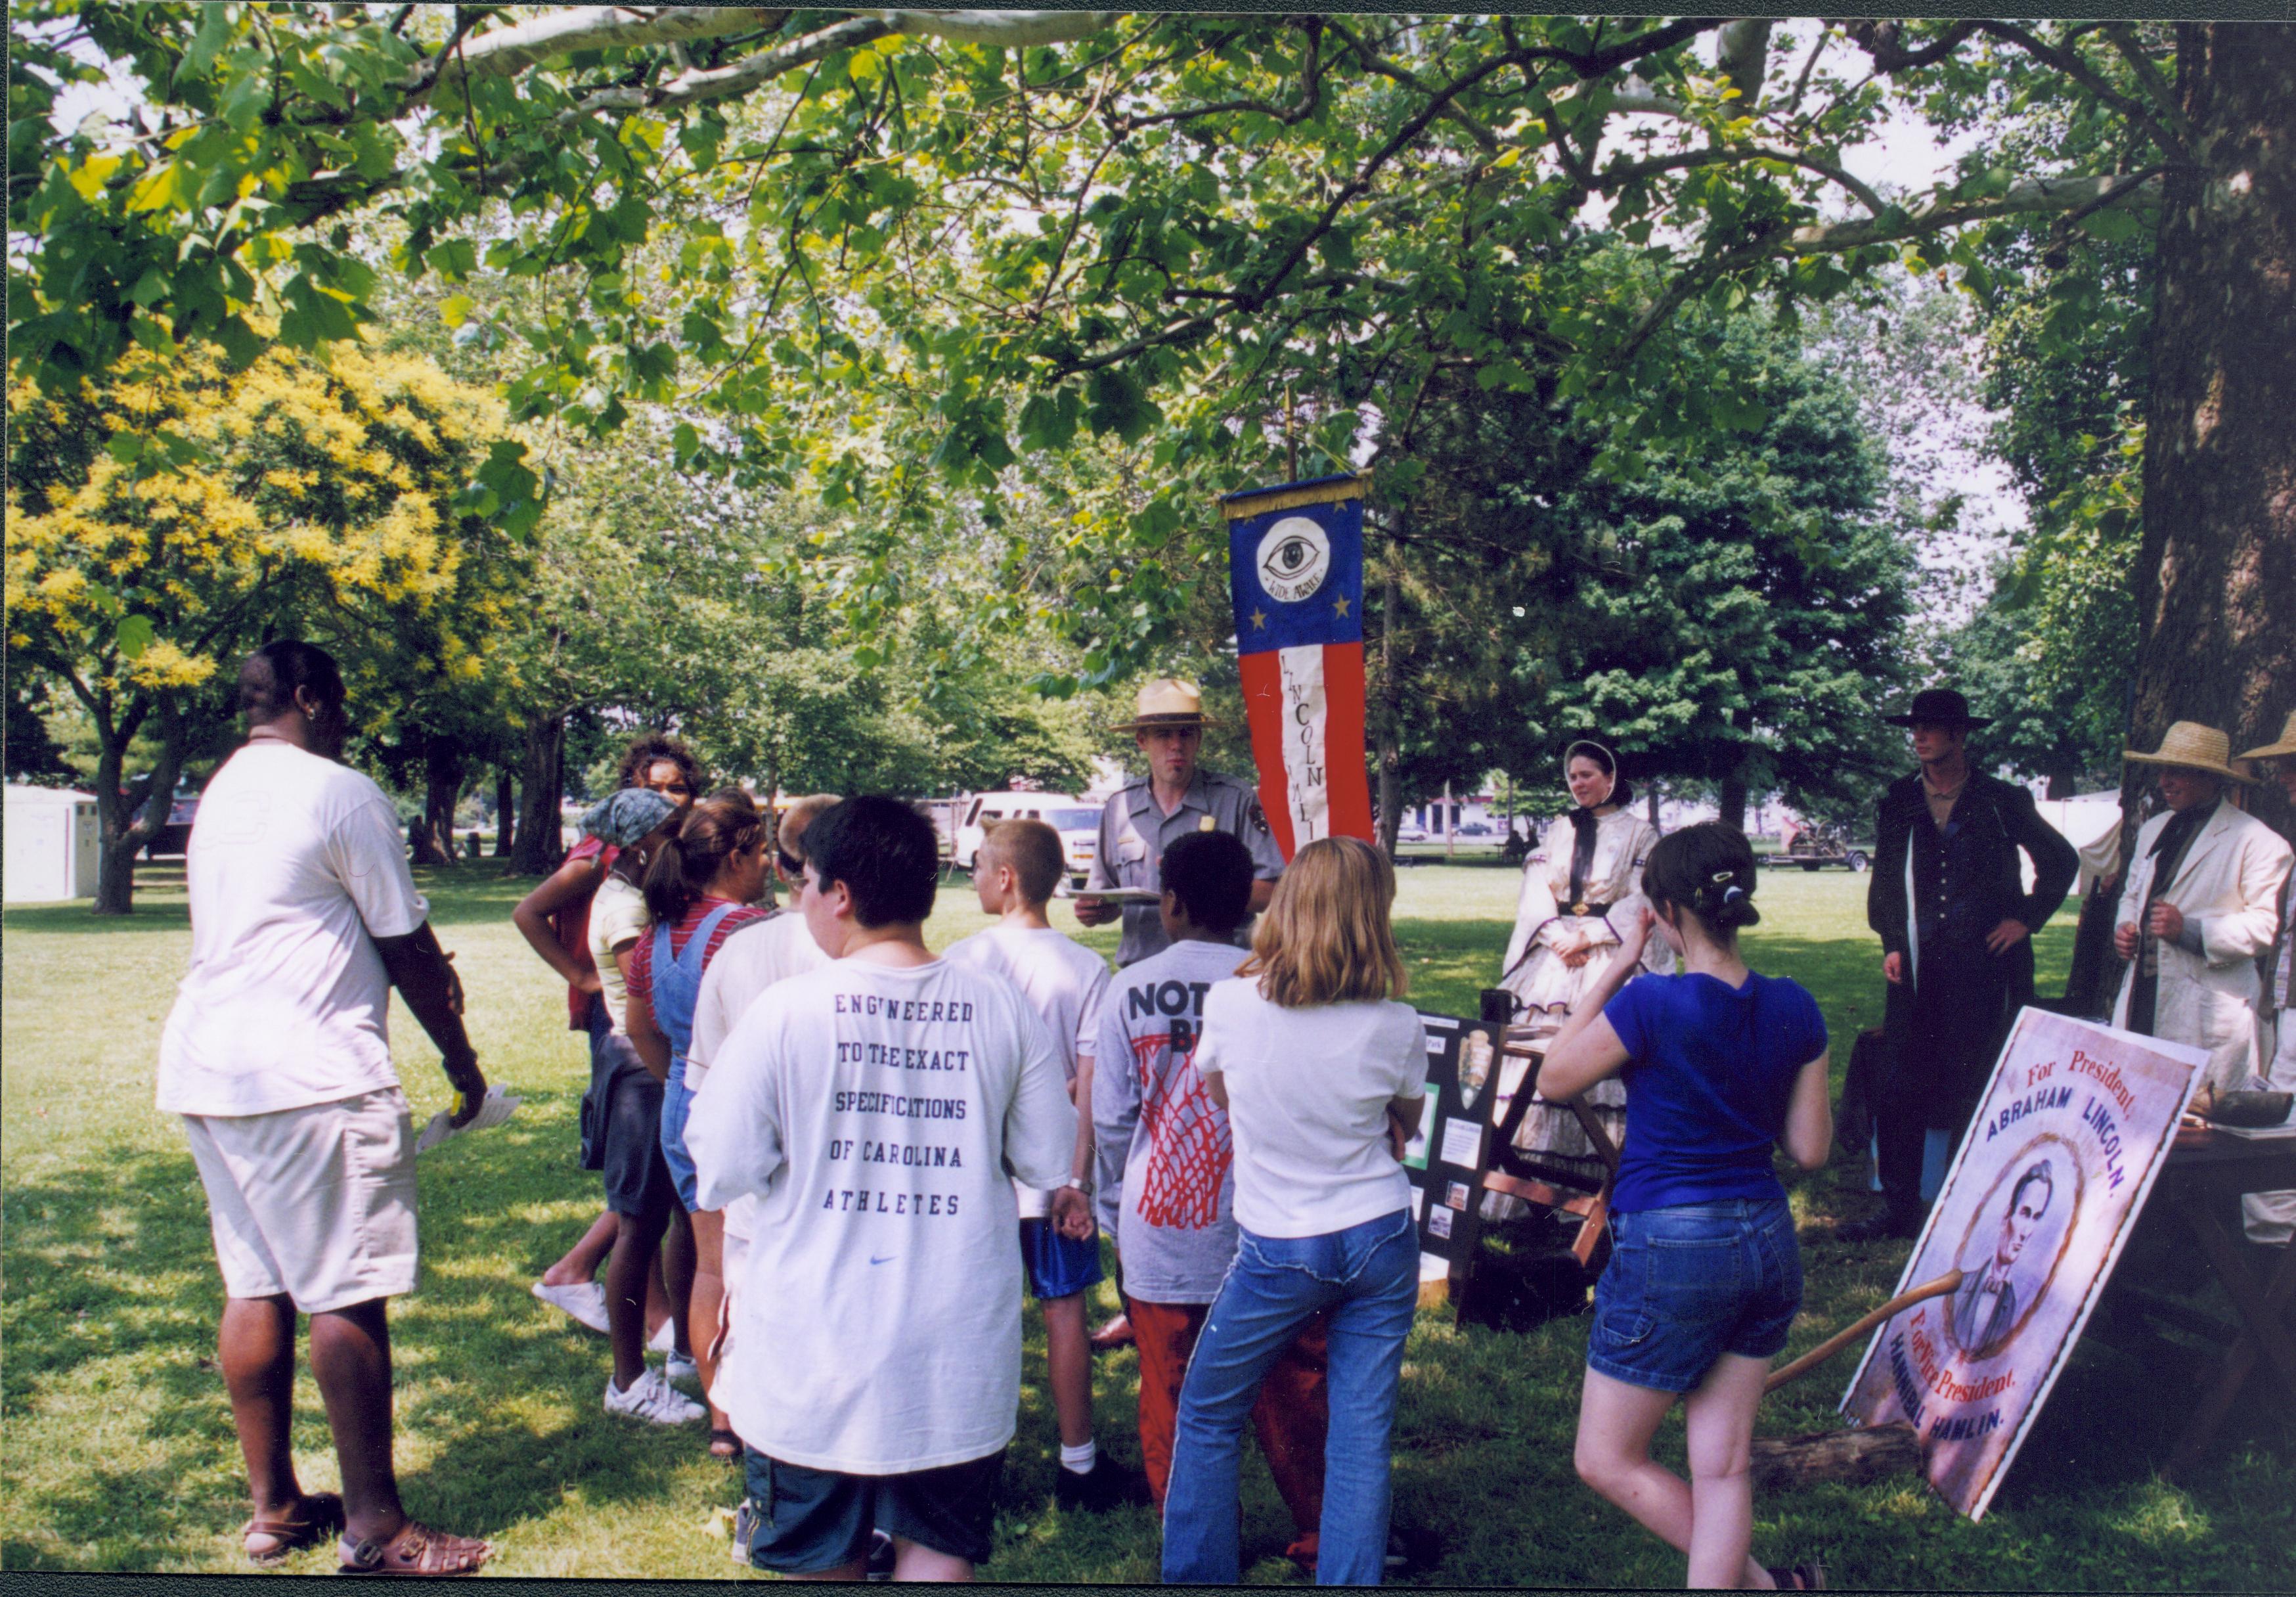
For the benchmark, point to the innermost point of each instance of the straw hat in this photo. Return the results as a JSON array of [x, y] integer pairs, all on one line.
[[2195, 747], [2280, 750], [1167, 701]]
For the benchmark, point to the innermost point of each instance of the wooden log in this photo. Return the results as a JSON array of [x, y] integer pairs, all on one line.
[[1848, 1457]]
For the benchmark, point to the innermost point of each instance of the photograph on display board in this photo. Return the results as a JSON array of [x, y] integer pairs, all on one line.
[[2051, 1176]]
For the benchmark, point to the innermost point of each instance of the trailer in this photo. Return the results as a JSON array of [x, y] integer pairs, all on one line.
[[1813, 848]]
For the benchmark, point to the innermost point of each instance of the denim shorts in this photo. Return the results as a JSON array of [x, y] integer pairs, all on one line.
[[813, 1519], [1687, 1284], [676, 1104]]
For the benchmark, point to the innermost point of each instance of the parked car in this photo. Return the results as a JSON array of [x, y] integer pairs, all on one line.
[[1476, 828], [1410, 832], [175, 836], [1077, 822]]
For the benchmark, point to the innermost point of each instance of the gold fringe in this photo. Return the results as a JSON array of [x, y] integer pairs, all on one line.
[[1291, 498]]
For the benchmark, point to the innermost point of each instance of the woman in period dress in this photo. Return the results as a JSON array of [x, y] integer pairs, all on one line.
[[1580, 884]]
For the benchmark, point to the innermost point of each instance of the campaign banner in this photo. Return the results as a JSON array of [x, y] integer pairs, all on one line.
[[2051, 1176], [1295, 573]]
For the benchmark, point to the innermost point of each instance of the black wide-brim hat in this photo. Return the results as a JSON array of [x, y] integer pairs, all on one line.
[[1939, 706]]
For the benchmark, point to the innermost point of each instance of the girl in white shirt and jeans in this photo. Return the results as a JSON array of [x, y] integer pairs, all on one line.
[[1314, 1062]]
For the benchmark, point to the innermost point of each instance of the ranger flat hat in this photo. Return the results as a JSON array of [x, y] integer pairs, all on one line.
[[2194, 747], [2280, 750], [1940, 706], [1167, 701]]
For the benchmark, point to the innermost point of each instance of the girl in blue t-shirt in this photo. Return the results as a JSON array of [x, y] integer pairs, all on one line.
[[1704, 1278]]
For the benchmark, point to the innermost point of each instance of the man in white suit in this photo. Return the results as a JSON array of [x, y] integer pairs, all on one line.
[[2202, 900], [2272, 1215]]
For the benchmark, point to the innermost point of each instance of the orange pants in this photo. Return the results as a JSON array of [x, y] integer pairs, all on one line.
[[1289, 1418]]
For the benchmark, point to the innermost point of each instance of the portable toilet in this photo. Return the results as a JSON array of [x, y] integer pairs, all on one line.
[[52, 845]]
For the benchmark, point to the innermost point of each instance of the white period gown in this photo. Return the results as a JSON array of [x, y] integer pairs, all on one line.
[[1547, 990]]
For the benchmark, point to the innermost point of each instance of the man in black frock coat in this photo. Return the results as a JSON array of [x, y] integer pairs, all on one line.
[[1956, 924]]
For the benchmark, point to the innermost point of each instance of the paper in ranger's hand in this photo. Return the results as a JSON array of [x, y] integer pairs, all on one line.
[[497, 1106]]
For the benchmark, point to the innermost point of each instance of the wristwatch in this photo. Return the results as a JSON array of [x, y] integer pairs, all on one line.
[[1082, 1183]]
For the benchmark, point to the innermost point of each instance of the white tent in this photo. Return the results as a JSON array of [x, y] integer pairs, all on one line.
[[2091, 823], [52, 845]]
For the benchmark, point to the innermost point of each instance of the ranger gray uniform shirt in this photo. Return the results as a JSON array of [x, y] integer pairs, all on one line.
[[1134, 831]]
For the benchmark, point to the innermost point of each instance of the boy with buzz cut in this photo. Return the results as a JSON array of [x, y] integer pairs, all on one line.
[[872, 1107], [1018, 864], [1166, 1185]]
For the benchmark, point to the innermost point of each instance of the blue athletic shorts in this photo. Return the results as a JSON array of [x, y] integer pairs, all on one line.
[[813, 1519], [1687, 1284], [1057, 1267]]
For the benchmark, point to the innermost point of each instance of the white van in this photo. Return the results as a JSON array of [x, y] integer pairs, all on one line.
[[1077, 822]]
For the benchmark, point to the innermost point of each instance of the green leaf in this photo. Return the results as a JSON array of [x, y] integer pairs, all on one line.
[[126, 448], [134, 634], [240, 343], [458, 309], [454, 260], [213, 33]]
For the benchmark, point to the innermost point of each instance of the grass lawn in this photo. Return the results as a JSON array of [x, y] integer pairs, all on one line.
[[119, 1451]]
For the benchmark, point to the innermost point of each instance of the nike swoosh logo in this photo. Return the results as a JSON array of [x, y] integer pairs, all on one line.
[[888, 1259]]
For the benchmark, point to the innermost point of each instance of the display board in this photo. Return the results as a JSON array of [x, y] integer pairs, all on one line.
[[2051, 1176], [1448, 1157]]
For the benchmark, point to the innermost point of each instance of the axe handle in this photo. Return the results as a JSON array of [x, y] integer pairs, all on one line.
[[1948, 1283]]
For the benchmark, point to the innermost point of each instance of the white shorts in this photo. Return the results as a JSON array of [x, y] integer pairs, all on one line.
[[316, 1203]]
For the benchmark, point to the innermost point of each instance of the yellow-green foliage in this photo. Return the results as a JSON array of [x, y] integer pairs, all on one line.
[[204, 498]]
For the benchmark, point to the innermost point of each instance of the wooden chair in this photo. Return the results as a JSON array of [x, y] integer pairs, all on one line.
[[1556, 1187]]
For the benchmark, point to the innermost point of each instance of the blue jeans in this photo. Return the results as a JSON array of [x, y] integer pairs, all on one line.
[[1367, 1276]]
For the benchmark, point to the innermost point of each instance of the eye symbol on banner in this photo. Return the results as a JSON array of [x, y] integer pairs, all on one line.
[[1295, 556]]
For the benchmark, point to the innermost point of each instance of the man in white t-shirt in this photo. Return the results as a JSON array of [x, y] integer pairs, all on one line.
[[874, 1107], [304, 916], [1018, 864]]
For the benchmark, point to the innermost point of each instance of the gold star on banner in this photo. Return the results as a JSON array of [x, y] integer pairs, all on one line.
[[1339, 606], [1258, 619]]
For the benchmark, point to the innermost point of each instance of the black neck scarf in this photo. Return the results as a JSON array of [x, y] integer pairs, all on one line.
[[1583, 824], [2168, 848]]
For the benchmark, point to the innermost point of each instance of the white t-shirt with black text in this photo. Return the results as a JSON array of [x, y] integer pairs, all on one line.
[[873, 1110], [296, 864], [1307, 1091]]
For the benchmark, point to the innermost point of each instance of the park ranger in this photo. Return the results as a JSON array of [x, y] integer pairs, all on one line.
[[1175, 797]]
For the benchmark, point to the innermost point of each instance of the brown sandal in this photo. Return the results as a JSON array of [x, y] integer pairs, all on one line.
[[415, 1550], [1798, 1578], [316, 1517]]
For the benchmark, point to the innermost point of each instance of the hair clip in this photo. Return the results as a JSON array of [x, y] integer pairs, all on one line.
[[1721, 877]]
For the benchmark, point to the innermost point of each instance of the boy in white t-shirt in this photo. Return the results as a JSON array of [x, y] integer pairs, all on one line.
[[873, 1107], [754, 958], [1018, 864]]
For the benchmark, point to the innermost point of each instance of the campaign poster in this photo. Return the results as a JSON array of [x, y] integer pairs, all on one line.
[[2053, 1170]]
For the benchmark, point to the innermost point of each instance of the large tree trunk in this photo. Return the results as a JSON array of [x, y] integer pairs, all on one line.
[[442, 788], [119, 838], [1730, 802], [2217, 565], [506, 821], [541, 781]]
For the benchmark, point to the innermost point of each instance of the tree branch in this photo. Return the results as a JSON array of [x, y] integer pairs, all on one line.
[[2069, 62]]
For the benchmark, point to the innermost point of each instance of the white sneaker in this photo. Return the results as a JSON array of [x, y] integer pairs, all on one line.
[[650, 1398], [586, 1302], [681, 1366], [664, 1338]]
